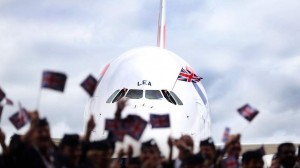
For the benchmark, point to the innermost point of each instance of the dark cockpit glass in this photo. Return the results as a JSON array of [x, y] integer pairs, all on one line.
[[135, 94], [120, 95], [149, 94], [179, 102], [168, 96], [153, 94]]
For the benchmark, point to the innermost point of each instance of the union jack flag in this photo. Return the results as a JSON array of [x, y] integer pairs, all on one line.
[[188, 75], [137, 127], [248, 112], [160, 121], [89, 85], [2, 94], [20, 118], [116, 129], [226, 134], [54, 80]]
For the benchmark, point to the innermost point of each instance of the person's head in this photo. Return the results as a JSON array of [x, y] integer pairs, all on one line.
[[208, 149], [70, 147], [149, 149], [233, 145], [252, 159], [286, 154], [185, 145], [100, 152], [41, 135]]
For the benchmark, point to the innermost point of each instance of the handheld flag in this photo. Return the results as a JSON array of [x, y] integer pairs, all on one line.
[[54, 80], [160, 121], [137, 126], [248, 112], [20, 118], [9, 102], [226, 135], [2, 94], [188, 75], [132, 125], [89, 85]]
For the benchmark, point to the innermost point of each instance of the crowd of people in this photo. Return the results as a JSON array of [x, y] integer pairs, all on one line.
[[35, 149]]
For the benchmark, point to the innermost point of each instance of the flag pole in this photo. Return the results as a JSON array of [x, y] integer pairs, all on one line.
[[176, 80], [245, 127], [38, 99]]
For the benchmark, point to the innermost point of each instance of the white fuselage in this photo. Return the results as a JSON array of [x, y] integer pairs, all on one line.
[[152, 68]]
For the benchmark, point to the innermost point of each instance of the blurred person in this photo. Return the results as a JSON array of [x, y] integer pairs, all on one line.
[[275, 161], [287, 155], [35, 148], [193, 161], [70, 151], [208, 151], [252, 159], [150, 155], [232, 149], [185, 146], [99, 154]]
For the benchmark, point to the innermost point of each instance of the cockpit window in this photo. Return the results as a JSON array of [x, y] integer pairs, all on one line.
[[149, 94], [179, 102], [120, 95], [168, 96], [135, 94], [112, 96], [153, 94]]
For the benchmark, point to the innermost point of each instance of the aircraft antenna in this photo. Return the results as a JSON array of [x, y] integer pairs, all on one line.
[[161, 34]]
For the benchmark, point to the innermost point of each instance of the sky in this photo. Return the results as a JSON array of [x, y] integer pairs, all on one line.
[[246, 52]]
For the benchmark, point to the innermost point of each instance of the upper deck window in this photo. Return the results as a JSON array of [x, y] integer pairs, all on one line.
[[134, 94], [153, 94]]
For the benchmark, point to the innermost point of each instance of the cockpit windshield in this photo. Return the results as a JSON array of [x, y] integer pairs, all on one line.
[[134, 94], [170, 96], [153, 94]]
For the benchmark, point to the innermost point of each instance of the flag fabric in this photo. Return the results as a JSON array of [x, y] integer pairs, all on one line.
[[54, 80], [9, 102], [160, 121], [132, 125], [226, 135], [137, 127], [20, 118], [188, 75], [248, 112], [2, 94], [89, 85]]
